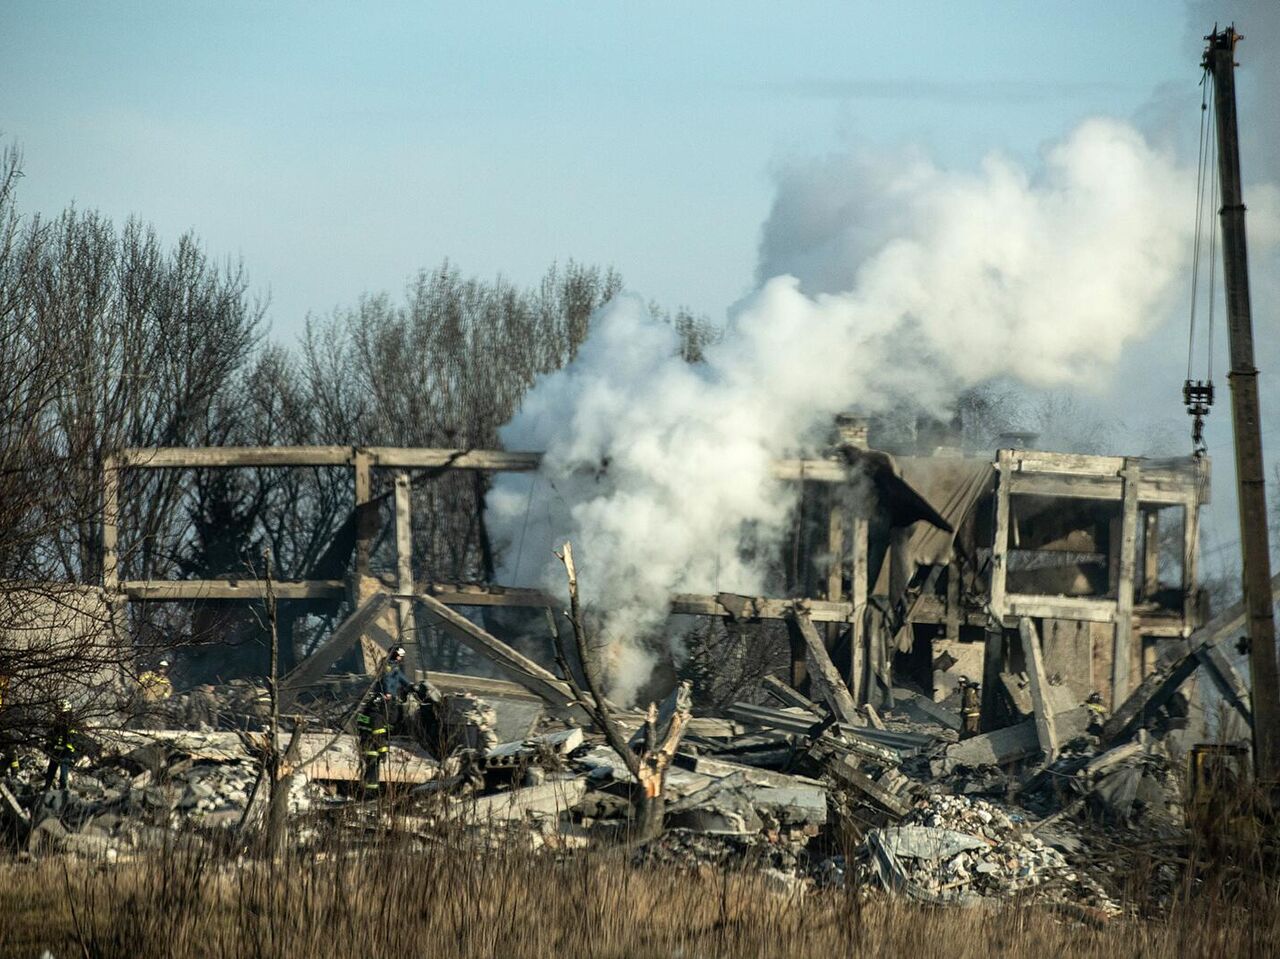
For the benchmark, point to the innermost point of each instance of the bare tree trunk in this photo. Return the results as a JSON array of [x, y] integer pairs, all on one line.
[[277, 809], [648, 759]]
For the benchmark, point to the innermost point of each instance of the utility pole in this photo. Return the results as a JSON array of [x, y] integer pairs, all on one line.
[[1246, 419]]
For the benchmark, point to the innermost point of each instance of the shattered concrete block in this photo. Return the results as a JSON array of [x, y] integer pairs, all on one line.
[[90, 845], [923, 842], [796, 805], [728, 813], [48, 833], [559, 743], [604, 764], [1013, 743], [549, 799]]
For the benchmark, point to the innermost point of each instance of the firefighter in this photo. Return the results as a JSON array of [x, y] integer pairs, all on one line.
[[62, 747], [394, 682], [970, 708], [378, 717], [156, 688], [373, 729], [1097, 712]]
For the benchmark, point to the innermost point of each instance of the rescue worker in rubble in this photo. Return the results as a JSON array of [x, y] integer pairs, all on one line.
[[1097, 712], [393, 681], [156, 688], [970, 708], [62, 746], [378, 717]]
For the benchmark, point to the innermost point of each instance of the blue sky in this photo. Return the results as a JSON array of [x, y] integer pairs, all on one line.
[[338, 148]]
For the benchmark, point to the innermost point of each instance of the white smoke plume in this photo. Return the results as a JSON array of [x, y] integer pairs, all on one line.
[[920, 281]]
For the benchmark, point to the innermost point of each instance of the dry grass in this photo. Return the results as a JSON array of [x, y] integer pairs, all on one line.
[[455, 899]]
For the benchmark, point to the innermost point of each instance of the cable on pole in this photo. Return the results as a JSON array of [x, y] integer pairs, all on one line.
[[1197, 395]]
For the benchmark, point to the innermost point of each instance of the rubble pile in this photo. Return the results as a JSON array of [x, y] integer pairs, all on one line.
[[953, 848], [133, 802], [890, 802]]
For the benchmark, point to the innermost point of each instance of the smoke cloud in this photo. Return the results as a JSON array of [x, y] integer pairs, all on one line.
[[884, 281]]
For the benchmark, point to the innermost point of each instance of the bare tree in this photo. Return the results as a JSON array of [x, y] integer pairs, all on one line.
[[56, 640], [107, 338]]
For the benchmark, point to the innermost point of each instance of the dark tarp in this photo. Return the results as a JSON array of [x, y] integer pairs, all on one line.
[[953, 486]]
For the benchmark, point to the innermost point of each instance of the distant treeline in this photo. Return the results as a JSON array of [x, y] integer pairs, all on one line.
[[111, 338]]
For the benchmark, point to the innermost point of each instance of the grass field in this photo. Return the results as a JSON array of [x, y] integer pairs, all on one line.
[[460, 899]]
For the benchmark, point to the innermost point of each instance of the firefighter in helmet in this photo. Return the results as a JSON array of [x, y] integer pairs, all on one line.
[[63, 746], [1097, 712], [378, 717], [970, 707], [155, 689]]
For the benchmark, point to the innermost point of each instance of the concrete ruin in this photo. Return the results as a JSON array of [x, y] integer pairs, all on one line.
[[1043, 575], [915, 570]]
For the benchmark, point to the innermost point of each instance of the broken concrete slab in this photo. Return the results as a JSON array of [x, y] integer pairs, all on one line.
[[560, 743], [327, 756], [788, 696], [822, 672], [1113, 757], [721, 768], [1013, 743], [1017, 688], [924, 709], [846, 772], [872, 716], [928, 843], [735, 806], [551, 799], [48, 833], [721, 808], [89, 844], [1152, 693], [703, 727], [323, 756], [211, 746], [795, 805], [857, 738], [1038, 684], [603, 763]]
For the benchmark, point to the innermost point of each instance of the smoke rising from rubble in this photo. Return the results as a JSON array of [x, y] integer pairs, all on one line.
[[918, 281]]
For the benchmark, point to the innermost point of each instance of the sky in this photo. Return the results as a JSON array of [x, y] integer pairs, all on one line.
[[336, 149], [340, 148]]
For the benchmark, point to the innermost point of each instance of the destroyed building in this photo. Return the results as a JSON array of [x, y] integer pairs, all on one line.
[[1044, 576], [918, 568]]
